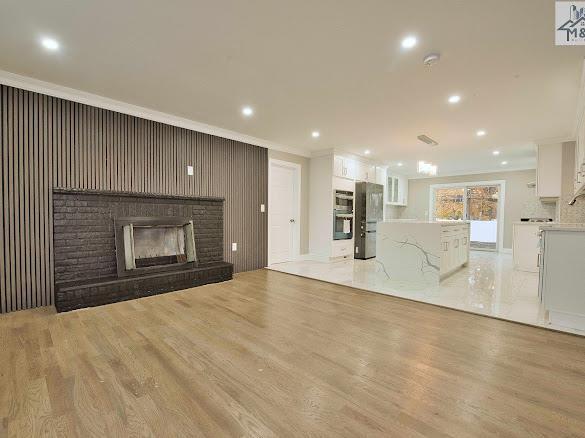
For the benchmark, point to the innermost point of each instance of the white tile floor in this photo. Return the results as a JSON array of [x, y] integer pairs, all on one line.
[[488, 285]]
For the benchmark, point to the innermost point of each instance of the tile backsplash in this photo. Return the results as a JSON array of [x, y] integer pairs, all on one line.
[[571, 214], [534, 208]]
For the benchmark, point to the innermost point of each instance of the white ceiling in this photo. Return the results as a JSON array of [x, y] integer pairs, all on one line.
[[330, 65]]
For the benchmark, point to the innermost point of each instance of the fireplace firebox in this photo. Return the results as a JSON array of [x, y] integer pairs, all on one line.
[[154, 244]]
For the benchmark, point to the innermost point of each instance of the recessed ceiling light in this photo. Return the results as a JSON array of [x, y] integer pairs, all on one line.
[[504, 163], [496, 153], [409, 42], [247, 111], [454, 99], [50, 44], [367, 152], [315, 134], [481, 133], [400, 164]]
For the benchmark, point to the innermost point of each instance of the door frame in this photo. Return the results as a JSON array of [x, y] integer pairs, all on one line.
[[296, 237], [501, 203]]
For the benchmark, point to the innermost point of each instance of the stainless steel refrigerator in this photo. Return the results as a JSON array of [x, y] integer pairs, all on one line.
[[369, 210]]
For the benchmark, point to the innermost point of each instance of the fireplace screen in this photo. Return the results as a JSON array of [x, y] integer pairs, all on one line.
[[154, 242]]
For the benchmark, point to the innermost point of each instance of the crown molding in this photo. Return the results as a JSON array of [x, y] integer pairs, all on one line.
[[476, 172], [50, 89], [553, 140]]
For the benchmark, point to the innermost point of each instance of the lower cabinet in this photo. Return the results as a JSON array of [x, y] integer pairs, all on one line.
[[455, 248], [342, 248]]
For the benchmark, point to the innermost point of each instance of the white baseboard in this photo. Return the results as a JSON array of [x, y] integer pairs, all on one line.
[[312, 257], [506, 250], [567, 319]]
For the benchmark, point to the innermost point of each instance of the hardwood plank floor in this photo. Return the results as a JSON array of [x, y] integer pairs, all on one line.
[[270, 354]]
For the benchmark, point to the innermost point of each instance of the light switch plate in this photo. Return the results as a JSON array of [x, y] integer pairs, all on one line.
[[234, 246], [190, 170], [262, 208]]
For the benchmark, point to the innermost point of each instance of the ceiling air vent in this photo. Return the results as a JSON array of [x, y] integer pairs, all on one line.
[[427, 140]]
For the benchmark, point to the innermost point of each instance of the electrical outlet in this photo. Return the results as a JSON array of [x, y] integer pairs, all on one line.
[[262, 208], [190, 170], [234, 246]]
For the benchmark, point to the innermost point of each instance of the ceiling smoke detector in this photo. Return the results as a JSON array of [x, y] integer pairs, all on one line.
[[431, 59], [427, 140]]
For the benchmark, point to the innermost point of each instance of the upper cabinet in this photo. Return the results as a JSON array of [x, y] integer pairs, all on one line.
[[395, 185], [549, 171], [344, 167], [366, 172], [396, 189], [350, 168]]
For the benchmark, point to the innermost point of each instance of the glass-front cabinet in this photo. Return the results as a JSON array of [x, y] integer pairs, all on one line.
[[396, 189]]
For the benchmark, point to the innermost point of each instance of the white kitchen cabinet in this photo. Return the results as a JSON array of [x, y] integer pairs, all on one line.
[[338, 166], [364, 171], [368, 173], [455, 247], [526, 245], [351, 168], [562, 276], [381, 176], [396, 190], [549, 171], [344, 167], [342, 248]]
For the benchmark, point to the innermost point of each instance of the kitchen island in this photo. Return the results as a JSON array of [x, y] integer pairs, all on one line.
[[422, 252]]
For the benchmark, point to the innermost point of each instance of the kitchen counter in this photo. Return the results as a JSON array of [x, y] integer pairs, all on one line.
[[416, 221], [567, 227], [534, 223], [421, 252]]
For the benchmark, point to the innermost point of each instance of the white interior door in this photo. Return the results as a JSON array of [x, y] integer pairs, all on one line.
[[282, 209]]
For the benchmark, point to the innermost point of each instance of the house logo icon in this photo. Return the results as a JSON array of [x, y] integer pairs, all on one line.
[[570, 23]]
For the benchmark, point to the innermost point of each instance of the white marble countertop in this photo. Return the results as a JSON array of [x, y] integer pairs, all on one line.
[[534, 223], [555, 225], [561, 227], [416, 221]]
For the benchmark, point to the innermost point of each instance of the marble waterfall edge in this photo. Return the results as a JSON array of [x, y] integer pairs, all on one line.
[[409, 252]]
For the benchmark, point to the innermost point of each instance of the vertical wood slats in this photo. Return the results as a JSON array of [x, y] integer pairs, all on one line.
[[48, 142]]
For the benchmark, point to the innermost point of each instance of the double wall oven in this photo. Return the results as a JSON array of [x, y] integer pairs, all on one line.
[[343, 215]]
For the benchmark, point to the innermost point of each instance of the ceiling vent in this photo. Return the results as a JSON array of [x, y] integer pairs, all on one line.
[[427, 140], [431, 59]]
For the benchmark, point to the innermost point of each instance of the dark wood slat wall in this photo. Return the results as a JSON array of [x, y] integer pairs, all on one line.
[[49, 142]]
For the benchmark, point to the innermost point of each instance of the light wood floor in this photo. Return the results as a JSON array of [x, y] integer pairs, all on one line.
[[270, 354]]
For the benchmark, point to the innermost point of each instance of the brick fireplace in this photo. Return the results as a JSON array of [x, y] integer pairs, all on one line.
[[115, 246]]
